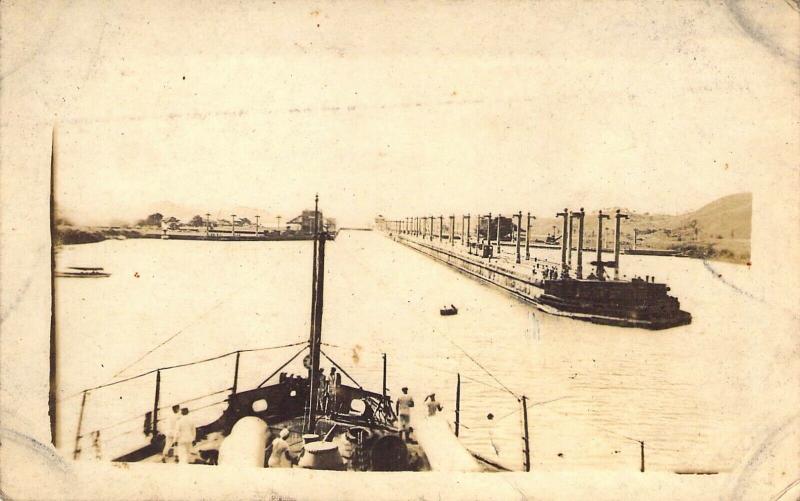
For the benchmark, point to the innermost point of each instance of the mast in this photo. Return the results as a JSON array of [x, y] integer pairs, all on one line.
[[53, 389], [313, 337]]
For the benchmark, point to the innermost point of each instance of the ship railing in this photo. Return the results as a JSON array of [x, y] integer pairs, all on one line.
[[98, 429]]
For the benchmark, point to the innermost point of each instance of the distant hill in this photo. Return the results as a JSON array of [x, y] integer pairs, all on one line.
[[727, 217], [717, 230]]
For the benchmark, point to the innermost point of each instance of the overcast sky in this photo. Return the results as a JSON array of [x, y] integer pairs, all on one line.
[[400, 109]]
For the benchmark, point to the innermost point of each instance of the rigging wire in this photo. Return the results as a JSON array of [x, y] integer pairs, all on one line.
[[210, 359], [532, 404], [183, 329], [504, 387], [437, 369]]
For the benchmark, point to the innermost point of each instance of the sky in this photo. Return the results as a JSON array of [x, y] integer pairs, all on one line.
[[401, 109]]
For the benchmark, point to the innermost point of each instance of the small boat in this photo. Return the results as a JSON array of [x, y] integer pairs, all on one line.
[[83, 272], [446, 312]]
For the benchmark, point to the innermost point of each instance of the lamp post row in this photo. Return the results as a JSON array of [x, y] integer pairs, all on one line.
[[424, 227]]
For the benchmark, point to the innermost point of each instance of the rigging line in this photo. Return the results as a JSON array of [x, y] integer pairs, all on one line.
[[474, 361], [304, 348], [463, 376], [616, 433], [165, 407], [183, 329], [177, 366], [504, 387], [438, 369], [482, 367], [193, 399], [343, 371], [542, 402]]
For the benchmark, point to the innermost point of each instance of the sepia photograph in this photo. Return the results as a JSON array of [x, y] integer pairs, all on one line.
[[400, 250]]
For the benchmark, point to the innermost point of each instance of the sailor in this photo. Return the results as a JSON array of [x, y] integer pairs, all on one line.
[[170, 431], [186, 434], [334, 381], [322, 388], [281, 456], [403, 410], [433, 405]]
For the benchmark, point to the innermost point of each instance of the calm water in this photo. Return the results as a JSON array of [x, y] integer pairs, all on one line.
[[595, 391]]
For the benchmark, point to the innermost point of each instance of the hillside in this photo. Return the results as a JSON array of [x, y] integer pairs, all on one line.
[[727, 217], [717, 230]]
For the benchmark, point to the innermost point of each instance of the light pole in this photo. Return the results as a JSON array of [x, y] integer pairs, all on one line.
[[233, 225], [469, 249], [499, 218], [528, 237], [256, 225], [580, 215], [600, 268], [565, 215], [208, 224], [618, 217], [519, 225], [488, 230]]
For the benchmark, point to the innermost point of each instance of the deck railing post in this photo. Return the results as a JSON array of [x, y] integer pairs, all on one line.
[[155, 404], [236, 374], [641, 455], [77, 450], [525, 437], [458, 402], [384, 379]]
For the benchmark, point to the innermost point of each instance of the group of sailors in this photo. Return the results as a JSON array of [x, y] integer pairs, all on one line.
[[544, 272], [179, 435], [328, 390], [281, 455], [403, 407]]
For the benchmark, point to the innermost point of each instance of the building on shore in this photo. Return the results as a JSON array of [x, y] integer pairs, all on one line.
[[306, 222]]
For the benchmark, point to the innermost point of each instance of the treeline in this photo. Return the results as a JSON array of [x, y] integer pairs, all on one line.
[[69, 235], [711, 251], [172, 222]]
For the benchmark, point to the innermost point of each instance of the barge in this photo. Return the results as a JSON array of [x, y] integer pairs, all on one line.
[[561, 289]]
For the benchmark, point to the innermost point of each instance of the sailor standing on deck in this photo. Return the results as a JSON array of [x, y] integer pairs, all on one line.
[[433, 405], [403, 410], [334, 382], [281, 456], [322, 389], [186, 433], [170, 431]]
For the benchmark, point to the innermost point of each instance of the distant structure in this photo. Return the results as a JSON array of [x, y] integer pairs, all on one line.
[[305, 222], [299, 228]]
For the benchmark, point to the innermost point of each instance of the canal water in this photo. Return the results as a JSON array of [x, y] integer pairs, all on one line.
[[693, 394]]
